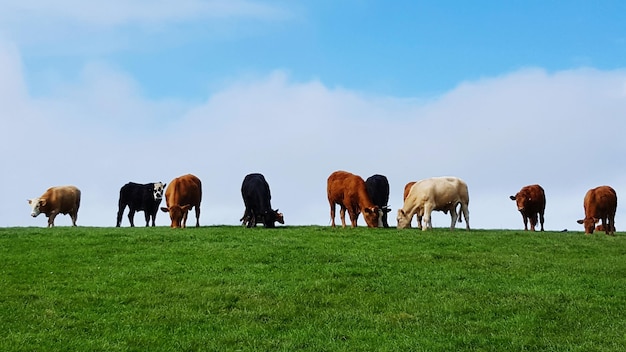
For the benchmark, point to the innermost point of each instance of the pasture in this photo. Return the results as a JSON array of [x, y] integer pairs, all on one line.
[[310, 288]]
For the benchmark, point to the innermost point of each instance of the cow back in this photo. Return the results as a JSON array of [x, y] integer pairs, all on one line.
[[184, 190], [378, 189], [62, 199]]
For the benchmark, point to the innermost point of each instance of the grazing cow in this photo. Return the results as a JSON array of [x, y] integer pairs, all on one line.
[[349, 191], [378, 189], [140, 197], [531, 200], [437, 193], [57, 200], [407, 188], [600, 205], [256, 196], [183, 194]]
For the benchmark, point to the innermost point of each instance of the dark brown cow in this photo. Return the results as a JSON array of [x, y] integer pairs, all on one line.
[[182, 194], [349, 191], [531, 200], [57, 200], [600, 205]]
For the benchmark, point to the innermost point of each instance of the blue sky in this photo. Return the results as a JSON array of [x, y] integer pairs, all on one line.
[[500, 93]]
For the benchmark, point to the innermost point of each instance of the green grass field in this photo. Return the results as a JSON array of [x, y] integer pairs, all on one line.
[[310, 289]]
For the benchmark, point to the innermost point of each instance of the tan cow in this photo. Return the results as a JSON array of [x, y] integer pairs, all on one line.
[[57, 200], [600, 205], [183, 194], [349, 191], [437, 193]]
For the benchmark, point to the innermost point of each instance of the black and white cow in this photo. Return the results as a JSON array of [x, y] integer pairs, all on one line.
[[256, 197], [378, 189], [140, 197]]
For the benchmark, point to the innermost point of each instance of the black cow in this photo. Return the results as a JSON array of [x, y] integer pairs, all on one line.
[[256, 197], [140, 197], [378, 189]]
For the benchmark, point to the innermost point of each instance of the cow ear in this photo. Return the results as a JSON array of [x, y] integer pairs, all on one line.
[[164, 209], [580, 221], [512, 197], [30, 201]]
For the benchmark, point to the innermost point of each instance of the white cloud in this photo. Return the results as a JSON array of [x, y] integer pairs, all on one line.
[[561, 130]]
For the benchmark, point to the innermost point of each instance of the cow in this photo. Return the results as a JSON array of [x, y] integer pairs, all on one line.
[[140, 197], [600, 204], [57, 200], [349, 191], [183, 194], [405, 194], [378, 189], [531, 201], [437, 193], [256, 195]]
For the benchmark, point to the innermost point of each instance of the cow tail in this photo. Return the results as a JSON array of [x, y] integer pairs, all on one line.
[[460, 212]]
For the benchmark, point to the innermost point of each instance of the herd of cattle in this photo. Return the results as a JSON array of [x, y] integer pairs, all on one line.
[[349, 191]]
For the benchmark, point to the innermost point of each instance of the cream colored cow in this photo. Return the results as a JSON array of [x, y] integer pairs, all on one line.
[[437, 193]]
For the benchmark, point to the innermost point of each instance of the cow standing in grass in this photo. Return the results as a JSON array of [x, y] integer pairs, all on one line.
[[140, 197], [600, 204], [531, 201], [349, 191], [435, 194], [256, 195], [378, 189], [57, 200], [183, 194]]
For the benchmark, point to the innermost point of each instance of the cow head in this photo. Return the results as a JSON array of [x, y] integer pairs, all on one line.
[[404, 221], [35, 205], [157, 191], [271, 216], [589, 224], [372, 216], [521, 200], [177, 213]]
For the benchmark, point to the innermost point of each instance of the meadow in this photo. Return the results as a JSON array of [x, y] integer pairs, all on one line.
[[310, 288]]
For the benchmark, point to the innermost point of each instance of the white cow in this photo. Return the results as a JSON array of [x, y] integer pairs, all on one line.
[[437, 193]]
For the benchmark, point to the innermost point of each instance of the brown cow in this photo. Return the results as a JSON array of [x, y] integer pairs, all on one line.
[[531, 200], [600, 205], [57, 200], [182, 194], [349, 191], [601, 228]]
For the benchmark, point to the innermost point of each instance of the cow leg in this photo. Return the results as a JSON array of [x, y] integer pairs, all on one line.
[[611, 229], [533, 222], [541, 219], [51, 219], [146, 214], [427, 218], [465, 212], [198, 216], [74, 216], [120, 213], [525, 222], [385, 223], [332, 214], [354, 216], [418, 218], [453, 217], [131, 217], [342, 215]]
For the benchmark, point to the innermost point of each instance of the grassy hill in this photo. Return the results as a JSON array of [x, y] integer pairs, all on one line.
[[310, 288]]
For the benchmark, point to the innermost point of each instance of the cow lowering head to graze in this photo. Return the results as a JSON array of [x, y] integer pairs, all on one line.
[[378, 189], [531, 201], [140, 197], [437, 193], [256, 195], [183, 194], [349, 191], [57, 200], [600, 205]]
